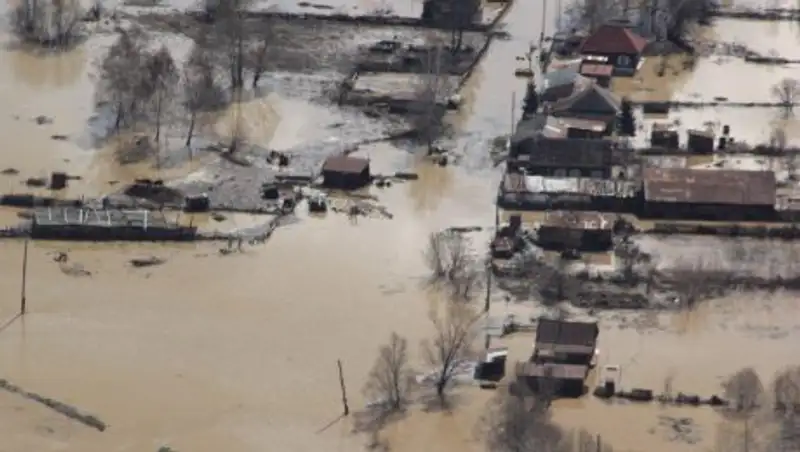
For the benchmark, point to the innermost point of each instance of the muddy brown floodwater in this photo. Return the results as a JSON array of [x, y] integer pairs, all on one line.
[[209, 352]]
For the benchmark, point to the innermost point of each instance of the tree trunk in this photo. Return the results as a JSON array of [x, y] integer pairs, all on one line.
[[158, 118], [191, 129]]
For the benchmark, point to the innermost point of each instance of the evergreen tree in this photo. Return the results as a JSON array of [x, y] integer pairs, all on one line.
[[626, 122], [531, 102]]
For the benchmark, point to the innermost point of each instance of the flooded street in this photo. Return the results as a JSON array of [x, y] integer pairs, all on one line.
[[238, 352]]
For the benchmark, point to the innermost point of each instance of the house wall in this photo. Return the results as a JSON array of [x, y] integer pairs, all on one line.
[[561, 171], [711, 212], [625, 65]]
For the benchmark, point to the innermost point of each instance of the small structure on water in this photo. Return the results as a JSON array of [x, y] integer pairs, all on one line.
[[70, 223], [700, 141], [570, 230], [664, 136], [492, 365], [345, 172]]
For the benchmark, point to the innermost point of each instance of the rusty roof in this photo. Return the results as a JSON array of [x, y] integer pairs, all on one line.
[[597, 70], [613, 39], [578, 220], [552, 370], [683, 185], [345, 164], [558, 332]]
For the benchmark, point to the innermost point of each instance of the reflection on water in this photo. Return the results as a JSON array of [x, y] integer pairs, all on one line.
[[435, 183], [38, 69]]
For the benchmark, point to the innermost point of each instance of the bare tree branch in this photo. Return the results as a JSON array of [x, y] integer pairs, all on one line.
[[454, 333], [745, 390], [786, 92], [388, 381], [53, 23]]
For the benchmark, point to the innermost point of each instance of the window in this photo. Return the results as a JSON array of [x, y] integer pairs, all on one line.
[[624, 61]]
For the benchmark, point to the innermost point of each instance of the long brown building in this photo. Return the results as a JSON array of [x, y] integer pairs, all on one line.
[[709, 194]]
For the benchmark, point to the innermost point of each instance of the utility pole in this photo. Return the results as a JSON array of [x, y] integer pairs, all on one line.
[[344, 391], [544, 23], [23, 300], [513, 108]]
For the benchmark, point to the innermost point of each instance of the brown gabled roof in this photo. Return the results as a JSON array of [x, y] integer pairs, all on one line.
[[345, 164], [613, 39], [735, 187], [578, 335]]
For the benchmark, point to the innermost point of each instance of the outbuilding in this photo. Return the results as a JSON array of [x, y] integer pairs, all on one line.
[[709, 194], [345, 172]]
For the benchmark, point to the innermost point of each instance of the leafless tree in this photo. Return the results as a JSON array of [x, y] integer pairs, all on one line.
[[583, 441], [448, 256], [630, 256], [596, 13], [786, 92], [200, 88], [454, 333], [121, 82], [696, 282], [432, 91], [744, 390], [229, 17], [388, 381], [54, 23], [517, 423], [162, 79], [786, 391], [737, 436], [257, 57]]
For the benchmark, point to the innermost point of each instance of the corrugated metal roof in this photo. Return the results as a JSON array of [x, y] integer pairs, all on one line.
[[583, 334], [700, 186]]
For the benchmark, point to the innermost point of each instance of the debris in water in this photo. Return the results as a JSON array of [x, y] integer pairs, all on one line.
[[36, 182], [61, 257], [9, 172], [147, 261], [59, 137], [218, 217], [42, 119]]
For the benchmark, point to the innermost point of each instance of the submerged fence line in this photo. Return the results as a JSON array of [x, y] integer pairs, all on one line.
[[59, 407]]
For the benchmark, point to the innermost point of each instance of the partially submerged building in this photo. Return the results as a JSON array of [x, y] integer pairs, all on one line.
[[522, 192], [614, 44], [562, 357], [562, 230], [565, 380], [346, 172], [589, 102], [709, 194]]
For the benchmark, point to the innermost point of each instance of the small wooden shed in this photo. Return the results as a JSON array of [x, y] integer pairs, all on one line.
[[345, 172], [700, 141]]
